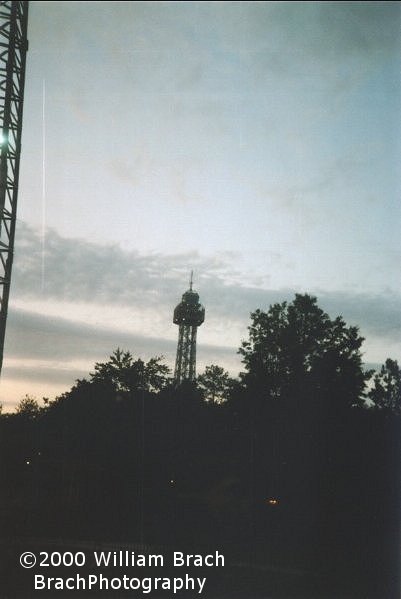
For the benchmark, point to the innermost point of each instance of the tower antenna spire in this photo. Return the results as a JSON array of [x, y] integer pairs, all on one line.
[[191, 280]]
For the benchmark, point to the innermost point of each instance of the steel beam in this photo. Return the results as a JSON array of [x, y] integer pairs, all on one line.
[[13, 49]]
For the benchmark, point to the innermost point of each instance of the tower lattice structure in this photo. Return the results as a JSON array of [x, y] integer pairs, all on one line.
[[13, 48], [189, 315]]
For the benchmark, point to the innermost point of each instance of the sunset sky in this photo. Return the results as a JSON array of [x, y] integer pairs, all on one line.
[[257, 143]]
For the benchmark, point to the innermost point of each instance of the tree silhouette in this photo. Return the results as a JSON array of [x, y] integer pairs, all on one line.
[[215, 384], [28, 407], [296, 350], [127, 375], [386, 391]]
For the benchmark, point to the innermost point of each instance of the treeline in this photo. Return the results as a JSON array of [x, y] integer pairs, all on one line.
[[296, 459]]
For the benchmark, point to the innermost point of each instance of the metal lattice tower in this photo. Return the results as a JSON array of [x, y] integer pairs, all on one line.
[[189, 315], [13, 48]]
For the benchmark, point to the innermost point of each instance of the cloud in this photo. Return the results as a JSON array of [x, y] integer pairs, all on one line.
[[57, 351], [38, 374], [31, 335], [75, 270], [80, 271], [378, 315]]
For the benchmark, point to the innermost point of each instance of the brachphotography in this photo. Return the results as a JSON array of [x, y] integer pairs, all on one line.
[[99, 582]]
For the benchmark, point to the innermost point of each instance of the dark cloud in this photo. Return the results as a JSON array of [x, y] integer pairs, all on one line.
[[35, 336], [41, 374], [77, 270], [32, 336], [80, 271], [378, 315]]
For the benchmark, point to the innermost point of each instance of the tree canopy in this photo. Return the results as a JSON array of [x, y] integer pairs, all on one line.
[[127, 375], [296, 350], [28, 407], [386, 391], [215, 384]]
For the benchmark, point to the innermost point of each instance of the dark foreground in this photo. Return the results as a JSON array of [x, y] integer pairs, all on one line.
[[247, 574]]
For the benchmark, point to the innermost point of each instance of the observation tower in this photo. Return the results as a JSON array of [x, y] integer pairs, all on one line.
[[189, 315]]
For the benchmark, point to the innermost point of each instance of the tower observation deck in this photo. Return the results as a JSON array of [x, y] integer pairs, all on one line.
[[189, 315]]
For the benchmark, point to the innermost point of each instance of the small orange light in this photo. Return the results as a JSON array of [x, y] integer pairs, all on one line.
[[272, 501]]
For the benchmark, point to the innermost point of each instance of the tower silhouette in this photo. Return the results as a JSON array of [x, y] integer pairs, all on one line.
[[189, 315]]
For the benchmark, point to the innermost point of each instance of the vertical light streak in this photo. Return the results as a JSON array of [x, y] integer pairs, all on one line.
[[43, 232]]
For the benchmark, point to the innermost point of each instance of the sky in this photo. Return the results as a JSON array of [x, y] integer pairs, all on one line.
[[255, 143]]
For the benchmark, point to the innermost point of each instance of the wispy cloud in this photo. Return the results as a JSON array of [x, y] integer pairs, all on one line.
[[56, 351], [80, 271]]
